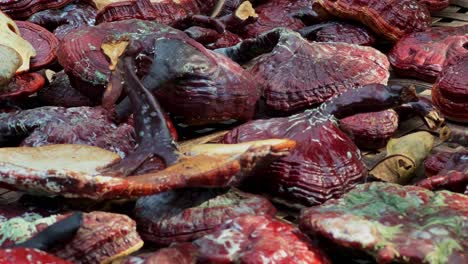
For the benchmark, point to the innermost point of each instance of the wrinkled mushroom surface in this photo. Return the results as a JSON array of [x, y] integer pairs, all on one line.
[[423, 55], [102, 238], [447, 171], [44, 42], [163, 218], [21, 9], [371, 130], [296, 74], [338, 31], [253, 239], [442, 160], [394, 223], [62, 21], [391, 19], [58, 125], [276, 13], [162, 11], [326, 163], [450, 92]]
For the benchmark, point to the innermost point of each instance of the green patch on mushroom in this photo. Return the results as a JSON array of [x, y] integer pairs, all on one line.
[[374, 202], [442, 251], [20, 229]]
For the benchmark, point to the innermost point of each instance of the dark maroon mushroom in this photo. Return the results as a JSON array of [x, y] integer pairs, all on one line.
[[391, 19], [447, 170], [60, 92], [202, 88], [182, 253], [338, 31], [62, 21], [450, 92], [180, 14], [296, 74], [100, 174], [22, 9], [198, 86], [277, 13], [326, 163], [371, 130], [44, 42], [212, 39], [423, 55], [163, 218], [57, 125], [94, 237]]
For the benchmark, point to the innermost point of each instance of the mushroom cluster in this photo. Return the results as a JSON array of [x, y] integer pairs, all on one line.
[[232, 131]]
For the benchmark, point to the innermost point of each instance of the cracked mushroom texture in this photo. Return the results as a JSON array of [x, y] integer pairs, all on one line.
[[394, 223]]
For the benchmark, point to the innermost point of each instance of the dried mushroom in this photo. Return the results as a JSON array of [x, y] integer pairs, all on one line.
[[10, 36], [393, 223]]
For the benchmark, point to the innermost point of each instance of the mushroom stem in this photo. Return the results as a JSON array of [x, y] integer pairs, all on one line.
[[153, 136], [369, 98], [251, 48], [56, 234], [426, 111]]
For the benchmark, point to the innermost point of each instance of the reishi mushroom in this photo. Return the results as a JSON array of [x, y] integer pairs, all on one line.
[[103, 104]]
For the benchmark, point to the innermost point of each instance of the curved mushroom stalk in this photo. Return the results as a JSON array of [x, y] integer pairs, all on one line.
[[56, 234], [212, 166], [212, 39], [83, 171], [369, 98], [251, 48], [153, 134], [424, 108]]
